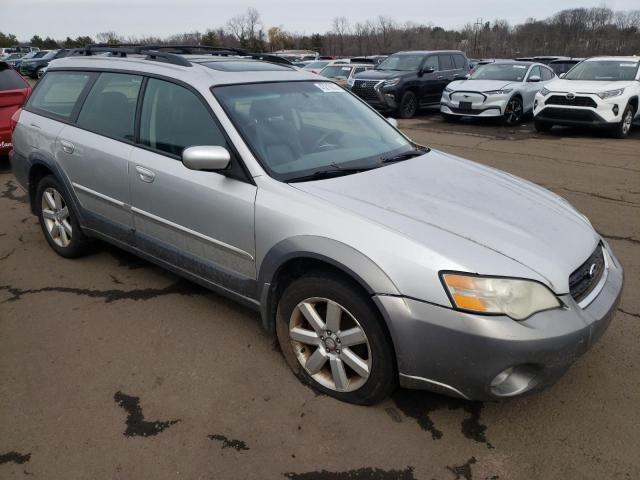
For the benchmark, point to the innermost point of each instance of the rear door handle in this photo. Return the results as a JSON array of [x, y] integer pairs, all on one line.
[[67, 146], [35, 126], [145, 174]]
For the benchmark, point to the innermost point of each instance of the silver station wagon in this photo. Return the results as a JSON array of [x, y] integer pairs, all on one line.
[[374, 260]]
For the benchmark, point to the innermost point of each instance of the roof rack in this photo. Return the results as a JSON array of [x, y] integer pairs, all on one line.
[[172, 53], [125, 50]]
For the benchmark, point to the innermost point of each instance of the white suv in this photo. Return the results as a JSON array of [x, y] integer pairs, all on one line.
[[600, 91]]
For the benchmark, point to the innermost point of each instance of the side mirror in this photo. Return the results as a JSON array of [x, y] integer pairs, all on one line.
[[428, 70], [534, 78], [393, 122], [207, 157]]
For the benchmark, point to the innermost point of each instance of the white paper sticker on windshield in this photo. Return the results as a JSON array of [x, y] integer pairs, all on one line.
[[327, 87], [520, 66], [346, 68], [632, 65]]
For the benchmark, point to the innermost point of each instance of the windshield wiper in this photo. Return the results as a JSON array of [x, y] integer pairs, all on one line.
[[403, 156], [329, 173]]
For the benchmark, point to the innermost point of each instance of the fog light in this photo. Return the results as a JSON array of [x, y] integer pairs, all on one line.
[[615, 110], [515, 380]]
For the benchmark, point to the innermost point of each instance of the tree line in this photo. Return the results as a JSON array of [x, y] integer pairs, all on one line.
[[577, 32]]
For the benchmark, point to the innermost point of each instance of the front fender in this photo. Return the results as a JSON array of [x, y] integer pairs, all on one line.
[[358, 266]]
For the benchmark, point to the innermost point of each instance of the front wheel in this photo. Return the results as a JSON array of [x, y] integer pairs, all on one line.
[[408, 105], [622, 129], [541, 126], [333, 339], [513, 112]]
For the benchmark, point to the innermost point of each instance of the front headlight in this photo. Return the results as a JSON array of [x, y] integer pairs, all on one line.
[[504, 91], [448, 90], [544, 92], [391, 83], [518, 299], [610, 93]]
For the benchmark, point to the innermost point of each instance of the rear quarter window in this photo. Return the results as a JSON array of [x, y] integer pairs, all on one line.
[[58, 94], [11, 80], [459, 61]]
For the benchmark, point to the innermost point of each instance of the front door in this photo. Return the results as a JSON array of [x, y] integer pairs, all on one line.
[[201, 222]]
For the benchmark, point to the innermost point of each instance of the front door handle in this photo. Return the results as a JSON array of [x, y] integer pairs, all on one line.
[[67, 146], [145, 174]]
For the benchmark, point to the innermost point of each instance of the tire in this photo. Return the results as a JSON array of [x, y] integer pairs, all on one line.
[[58, 220], [408, 105], [622, 129], [513, 112], [541, 126], [318, 355]]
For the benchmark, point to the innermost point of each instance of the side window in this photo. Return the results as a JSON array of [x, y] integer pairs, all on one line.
[[58, 93], [446, 62], [110, 107], [173, 118], [546, 74], [459, 61], [431, 62], [535, 72]]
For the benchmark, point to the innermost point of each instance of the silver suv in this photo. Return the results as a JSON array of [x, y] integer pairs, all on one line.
[[375, 261]]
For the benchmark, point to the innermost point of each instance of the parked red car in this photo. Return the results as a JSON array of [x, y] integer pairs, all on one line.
[[14, 90]]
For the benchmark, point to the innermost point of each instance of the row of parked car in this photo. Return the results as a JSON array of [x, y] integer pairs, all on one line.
[[598, 91]]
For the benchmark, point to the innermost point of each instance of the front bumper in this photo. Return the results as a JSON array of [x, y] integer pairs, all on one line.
[[604, 112], [482, 105], [460, 354], [375, 94]]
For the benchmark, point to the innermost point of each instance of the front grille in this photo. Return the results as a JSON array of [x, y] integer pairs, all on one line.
[[574, 102], [584, 116], [364, 89], [585, 278]]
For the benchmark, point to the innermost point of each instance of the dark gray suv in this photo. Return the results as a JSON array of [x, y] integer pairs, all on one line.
[[406, 81]]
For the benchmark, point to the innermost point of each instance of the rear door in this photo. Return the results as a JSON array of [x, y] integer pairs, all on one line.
[[201, 222], [95, 153]]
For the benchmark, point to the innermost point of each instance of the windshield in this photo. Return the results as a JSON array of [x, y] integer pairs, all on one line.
[[405, 63], [50, 55], [604, 70], [336, 71], [316, 65], [297, 129], [508, 72]]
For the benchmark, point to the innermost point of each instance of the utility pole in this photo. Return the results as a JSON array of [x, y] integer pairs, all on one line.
[[477, 27]]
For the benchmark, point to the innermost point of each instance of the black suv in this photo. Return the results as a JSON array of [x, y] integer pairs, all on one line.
[[406, 81], [31, 66]]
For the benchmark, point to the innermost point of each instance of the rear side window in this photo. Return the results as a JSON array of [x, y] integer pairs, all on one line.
[[173, 118], [446, 62], [110, 107], [11, 80], [58, 93], [459, 61]]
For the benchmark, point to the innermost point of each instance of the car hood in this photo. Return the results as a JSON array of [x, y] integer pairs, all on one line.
[[379, 74], [496, 210], [478, 85], [585, 86]]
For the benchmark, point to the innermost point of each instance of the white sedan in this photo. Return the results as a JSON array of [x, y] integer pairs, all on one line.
[[503, 89]]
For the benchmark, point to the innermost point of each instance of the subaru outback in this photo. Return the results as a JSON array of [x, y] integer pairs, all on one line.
[[375, 261]]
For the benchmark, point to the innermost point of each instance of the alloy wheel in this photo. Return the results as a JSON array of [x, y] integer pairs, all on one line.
[[330, 344], [626, 122], [513, 112], [55, 213]]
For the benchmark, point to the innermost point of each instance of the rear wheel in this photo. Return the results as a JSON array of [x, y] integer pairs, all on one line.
[[408, 105], [333, 339], [542, 126], [622, 129], [513, 112], [57, 220]]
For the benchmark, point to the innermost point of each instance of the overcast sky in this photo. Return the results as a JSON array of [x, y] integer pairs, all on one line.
[[62, 18]]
